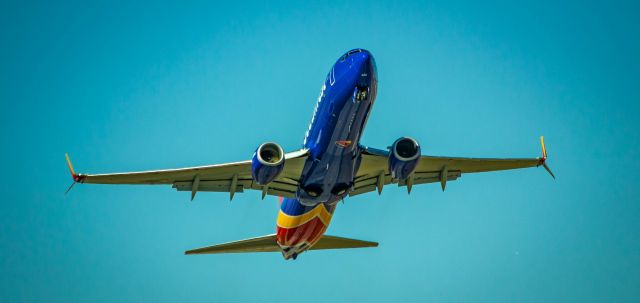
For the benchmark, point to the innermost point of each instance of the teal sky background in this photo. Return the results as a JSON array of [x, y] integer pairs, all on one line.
[[125, 87]]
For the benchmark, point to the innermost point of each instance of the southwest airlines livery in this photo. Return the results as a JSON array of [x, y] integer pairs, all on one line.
[[331, 165]]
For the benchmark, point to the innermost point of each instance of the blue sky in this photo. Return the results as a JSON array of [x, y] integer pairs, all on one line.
[[124, 86]]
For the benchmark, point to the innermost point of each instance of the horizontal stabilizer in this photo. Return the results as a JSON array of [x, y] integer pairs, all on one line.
[[268, 244], [260, 244], [331, 242]]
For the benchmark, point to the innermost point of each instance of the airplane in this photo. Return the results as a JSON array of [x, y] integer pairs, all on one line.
[[331, 166]]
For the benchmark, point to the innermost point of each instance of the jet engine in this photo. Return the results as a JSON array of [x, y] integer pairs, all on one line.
[[267, 163], [404, 157]]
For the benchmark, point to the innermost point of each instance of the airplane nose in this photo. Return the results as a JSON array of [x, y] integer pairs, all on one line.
[[367, 63], [357, 58], [358, 64], [367, 68]]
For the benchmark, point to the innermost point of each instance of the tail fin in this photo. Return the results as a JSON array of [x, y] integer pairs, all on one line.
[[268, 243]]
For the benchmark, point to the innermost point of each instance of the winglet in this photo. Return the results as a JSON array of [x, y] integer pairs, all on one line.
[[543, 159], [75, 176]]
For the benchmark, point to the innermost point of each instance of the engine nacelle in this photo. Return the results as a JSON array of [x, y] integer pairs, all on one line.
[[267, 163], [404, 157]]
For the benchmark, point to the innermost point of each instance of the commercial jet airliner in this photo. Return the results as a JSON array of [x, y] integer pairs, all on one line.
[[331, 165]]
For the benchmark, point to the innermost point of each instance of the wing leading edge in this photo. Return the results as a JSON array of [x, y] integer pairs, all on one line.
[[374, 169], [229, 177]]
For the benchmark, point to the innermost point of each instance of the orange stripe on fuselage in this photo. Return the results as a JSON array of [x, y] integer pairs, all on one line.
[[320, 212]]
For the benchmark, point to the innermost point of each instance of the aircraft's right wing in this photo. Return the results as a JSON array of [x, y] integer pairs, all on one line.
[[229, 177], [374, 169]]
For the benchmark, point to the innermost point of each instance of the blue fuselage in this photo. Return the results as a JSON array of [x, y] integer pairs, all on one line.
[[333, 136]]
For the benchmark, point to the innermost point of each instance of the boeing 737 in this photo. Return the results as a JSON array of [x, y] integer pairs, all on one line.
[[331, 166]]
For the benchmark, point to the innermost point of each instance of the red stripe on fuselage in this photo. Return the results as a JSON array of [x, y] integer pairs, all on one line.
[[309, 232]]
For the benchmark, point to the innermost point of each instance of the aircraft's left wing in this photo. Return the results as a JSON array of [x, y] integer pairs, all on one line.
[[374, 174], [229, 177]]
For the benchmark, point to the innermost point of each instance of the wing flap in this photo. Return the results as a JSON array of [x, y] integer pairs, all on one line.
[[215, 186], [276, 188], [430, 177], [370, 184]]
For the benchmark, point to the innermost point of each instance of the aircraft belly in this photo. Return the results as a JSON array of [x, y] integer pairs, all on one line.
[[335, 130], [334, 165]]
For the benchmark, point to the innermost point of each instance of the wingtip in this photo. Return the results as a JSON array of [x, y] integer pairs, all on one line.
[[73, 173], [76, 177], [543, 159], [544, 149]]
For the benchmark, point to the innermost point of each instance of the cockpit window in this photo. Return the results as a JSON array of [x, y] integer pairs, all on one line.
[[351, 52]]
